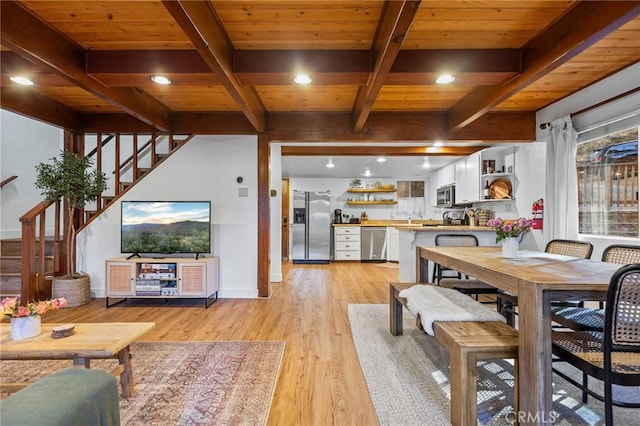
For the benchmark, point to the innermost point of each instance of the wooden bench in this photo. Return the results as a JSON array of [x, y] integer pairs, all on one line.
[[467, 342]]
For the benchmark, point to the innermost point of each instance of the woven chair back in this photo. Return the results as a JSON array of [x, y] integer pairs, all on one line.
[[623, 318], [456, 240], [621, 254], [573, 248]]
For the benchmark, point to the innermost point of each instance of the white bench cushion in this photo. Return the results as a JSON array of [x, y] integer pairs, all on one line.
[[434, 303]]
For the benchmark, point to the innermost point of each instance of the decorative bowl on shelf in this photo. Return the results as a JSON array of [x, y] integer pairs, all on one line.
[[388, 186]]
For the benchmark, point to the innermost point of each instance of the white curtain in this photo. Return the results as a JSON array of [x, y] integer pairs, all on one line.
[[561, 195]]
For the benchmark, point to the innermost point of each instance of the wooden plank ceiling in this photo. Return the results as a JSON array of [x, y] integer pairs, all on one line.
[[373, 65]]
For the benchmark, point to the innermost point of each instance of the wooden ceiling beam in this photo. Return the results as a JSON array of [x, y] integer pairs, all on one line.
[[395, 20], [37, 42], [581, 27], [278, 67], [25, 101], [201, 25], [498, 127], [145, 61], [209, 123], [387, 151], [113, 123], [398, 127], [213, 123], [326, 67]]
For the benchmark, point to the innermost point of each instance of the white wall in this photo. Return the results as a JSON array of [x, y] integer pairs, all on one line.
[[608, 88], [23, 144], [339, 196], [275, 210], [204, 169]]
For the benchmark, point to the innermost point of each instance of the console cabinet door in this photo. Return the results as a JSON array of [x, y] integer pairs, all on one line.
[[192, 279], [121, 279]]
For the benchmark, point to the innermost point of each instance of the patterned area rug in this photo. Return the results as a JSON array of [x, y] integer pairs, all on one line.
[[408, 379], [186, 383]]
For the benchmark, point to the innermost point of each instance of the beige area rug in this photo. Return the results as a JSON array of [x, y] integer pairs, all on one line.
[[408, 379], [186, 383]]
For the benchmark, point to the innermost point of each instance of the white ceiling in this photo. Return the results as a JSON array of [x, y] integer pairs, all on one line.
[[355, 166]]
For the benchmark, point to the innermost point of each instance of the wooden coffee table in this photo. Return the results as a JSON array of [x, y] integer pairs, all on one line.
[[90, 340]]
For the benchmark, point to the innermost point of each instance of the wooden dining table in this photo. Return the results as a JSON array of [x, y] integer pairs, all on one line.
[[536, 278]]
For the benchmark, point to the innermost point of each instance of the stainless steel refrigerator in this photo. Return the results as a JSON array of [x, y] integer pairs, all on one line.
[[311, 227]]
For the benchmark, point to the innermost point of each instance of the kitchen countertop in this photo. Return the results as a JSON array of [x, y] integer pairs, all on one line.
[[434, 226]]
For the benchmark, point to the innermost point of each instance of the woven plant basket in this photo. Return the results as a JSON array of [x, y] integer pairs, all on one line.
[[77, 291]]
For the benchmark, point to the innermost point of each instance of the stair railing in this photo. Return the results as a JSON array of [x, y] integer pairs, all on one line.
[[37, 225], [34, 285], [7, 180]]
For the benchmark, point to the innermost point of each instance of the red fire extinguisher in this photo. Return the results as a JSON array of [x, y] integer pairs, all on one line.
[[537, 214]]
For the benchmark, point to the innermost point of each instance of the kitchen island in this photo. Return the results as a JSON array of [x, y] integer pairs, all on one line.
[[418, 235]]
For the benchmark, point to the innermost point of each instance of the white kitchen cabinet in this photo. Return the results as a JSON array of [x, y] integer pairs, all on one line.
[[346, 243], [393, 244], [467, 173], [497, 164]]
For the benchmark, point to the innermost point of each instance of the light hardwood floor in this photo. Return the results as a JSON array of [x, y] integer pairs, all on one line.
[[320, 379]]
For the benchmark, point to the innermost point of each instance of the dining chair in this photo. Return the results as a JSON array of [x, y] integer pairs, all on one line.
[[507, 302], [451, 240], [611, 355], [592, 319]]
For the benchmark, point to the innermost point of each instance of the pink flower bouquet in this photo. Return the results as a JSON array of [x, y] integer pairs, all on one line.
[[11, 309], [505, 229]]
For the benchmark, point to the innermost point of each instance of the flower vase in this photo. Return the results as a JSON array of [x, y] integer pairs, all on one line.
[[25, 327], [510, 247]]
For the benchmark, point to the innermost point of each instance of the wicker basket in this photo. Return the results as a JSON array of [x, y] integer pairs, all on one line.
[[482, 216], [77, 291]]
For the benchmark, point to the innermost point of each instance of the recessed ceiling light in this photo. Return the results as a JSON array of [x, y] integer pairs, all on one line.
[[381, 159], [330, 164], [21, 80], [302, 79], [445, 79], [438, 143], [367, 172], [160, 79], [426, 164]]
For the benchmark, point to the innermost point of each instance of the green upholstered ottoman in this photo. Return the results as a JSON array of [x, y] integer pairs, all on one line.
[[75, 396]]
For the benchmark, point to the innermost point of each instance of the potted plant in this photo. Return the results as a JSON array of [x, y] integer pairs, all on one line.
[[72, 178]]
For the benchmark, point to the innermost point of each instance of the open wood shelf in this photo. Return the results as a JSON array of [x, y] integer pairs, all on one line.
[[372, 202], [363, 190]]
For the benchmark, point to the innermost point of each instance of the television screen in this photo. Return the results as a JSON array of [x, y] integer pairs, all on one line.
[[166, 227]]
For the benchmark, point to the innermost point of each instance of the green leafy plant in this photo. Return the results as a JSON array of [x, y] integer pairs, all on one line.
[[72, 178]]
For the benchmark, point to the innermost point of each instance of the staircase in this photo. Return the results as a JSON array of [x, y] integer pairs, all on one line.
[[41, 251], [11, 266]]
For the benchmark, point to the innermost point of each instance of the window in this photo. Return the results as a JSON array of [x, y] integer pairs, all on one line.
[[608, 185]]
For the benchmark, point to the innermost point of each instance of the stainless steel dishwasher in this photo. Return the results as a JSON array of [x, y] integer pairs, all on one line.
[[373, 243]]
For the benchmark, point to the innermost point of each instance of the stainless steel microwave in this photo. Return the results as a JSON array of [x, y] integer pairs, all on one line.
[[446, 196]]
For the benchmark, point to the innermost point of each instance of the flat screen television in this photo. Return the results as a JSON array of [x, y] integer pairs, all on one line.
[[165, 227]]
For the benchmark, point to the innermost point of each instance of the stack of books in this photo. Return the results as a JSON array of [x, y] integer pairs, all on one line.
[[148, 287]]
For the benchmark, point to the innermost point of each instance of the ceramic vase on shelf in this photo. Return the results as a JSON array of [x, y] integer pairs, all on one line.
[[25, 327], [510, 247]]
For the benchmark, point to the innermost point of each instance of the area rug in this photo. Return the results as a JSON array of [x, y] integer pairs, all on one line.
[[408, 379], [186, 383]]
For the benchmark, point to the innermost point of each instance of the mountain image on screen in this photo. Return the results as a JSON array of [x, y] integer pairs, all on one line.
[[165, 227]]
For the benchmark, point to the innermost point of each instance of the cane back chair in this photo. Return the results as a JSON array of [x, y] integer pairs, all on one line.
[[612, 355], [507, 302], [592, 319]]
